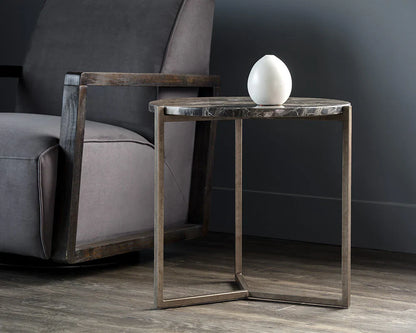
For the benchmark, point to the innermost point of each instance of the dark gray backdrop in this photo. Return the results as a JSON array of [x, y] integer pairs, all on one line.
[[363, 51]]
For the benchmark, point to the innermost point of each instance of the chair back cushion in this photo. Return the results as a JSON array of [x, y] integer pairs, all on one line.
[[137, 36]]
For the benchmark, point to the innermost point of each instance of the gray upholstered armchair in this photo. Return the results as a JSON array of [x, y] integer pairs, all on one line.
[[80, 186]]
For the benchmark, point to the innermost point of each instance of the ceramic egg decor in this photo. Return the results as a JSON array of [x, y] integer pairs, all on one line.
[[269, 81]]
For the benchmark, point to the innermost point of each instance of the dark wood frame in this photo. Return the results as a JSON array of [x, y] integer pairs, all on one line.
[[65, 248], [74, 107]]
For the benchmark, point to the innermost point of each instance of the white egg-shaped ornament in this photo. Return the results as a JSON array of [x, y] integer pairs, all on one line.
[[269, 81]]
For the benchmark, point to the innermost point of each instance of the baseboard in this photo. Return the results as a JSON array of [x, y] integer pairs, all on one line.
[[383, 226]]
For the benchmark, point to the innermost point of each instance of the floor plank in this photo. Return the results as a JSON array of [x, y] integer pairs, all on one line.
[[119, 297]]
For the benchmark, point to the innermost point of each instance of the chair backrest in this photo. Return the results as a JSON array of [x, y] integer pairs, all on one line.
[[140, 36]]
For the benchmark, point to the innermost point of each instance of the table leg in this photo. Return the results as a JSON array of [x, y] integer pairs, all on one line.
[[238, 196], [159, 207], [344, 300], [160, 302], [346, 205]]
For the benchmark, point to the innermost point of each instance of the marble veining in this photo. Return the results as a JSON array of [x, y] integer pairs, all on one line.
[[244, 107]]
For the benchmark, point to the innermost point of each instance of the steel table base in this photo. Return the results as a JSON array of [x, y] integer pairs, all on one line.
[[245, 293]]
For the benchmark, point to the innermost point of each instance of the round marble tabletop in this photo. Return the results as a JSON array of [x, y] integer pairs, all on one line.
[[244, 107]]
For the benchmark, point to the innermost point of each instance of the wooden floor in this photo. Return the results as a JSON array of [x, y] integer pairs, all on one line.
[[119, 297]]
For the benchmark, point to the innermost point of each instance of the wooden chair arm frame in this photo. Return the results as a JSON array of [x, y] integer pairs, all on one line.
[[71, 143], [141, 79]]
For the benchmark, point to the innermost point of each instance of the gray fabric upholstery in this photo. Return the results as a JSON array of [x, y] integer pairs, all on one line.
[[189, 48], [116, 179], [28, 157], [116, 198], [188, 52]]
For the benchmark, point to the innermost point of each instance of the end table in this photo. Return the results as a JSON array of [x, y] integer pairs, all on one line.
[[238, 109]]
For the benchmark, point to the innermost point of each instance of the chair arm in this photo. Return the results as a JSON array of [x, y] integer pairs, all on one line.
[[11, 71], [141, 79], [72, 138]]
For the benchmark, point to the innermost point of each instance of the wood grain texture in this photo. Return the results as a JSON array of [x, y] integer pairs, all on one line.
[[119, 298], [71, 142], [148, 79]]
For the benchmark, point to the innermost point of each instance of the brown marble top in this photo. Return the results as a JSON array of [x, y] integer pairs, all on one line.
[[244, 107]]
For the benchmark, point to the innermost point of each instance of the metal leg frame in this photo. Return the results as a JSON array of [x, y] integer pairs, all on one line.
[[245, 293]]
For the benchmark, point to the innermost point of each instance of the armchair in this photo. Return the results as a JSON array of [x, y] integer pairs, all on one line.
[[80, 187]]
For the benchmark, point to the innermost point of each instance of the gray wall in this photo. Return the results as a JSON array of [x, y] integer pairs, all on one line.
[[17, 19], [363, 51]]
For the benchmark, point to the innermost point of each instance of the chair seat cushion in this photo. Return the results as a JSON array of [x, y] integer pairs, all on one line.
[[24, 135], [29, 148]]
